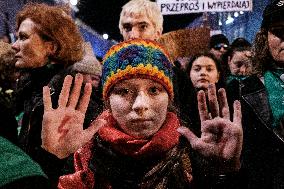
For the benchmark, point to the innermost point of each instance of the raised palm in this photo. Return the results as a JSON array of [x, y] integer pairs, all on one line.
[[62, 128], [221, 139]]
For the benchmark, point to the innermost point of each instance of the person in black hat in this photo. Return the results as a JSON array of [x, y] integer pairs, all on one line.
[[218, 45], [263, 104]]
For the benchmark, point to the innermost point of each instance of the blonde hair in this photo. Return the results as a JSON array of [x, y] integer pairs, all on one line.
[[143, 7]]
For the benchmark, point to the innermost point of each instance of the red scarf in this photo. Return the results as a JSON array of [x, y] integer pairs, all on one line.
[[166, 138]]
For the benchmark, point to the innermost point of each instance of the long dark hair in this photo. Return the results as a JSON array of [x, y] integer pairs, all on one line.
[[262, 56], [194, 113], [221, 81]]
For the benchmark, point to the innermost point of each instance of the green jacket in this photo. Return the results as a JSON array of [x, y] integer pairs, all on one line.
[[16, 165]]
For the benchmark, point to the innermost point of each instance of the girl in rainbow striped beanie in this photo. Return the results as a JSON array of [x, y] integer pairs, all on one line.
[[135, 143], [137, 59]]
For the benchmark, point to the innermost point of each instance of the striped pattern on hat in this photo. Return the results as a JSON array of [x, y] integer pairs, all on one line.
[[137, 58]]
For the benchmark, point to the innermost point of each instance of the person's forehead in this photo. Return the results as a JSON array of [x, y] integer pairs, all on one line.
[[27, 26], [132, 18], [136, 82], [222, 44], [204, 61], [245, 53]]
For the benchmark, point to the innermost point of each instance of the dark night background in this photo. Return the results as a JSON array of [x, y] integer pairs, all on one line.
[[103, 17]]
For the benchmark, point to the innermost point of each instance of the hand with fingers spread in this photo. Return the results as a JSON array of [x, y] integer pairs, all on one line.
[[221, 139], [62, 128]]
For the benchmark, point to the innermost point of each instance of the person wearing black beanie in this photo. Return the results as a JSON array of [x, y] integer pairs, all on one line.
[[218, 45]]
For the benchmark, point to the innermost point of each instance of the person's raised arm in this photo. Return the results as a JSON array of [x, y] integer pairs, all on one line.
[[221, 139], [62, 127]]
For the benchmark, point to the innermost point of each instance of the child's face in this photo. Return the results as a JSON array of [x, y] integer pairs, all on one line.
[[203, 72], [139, 106]]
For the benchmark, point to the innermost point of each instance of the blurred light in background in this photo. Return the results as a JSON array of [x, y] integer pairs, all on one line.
[[236, 14], [73, 2], [230, 19], [105, 36]]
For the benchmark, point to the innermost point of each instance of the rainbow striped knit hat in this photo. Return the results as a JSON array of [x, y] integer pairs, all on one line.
[[137, 58]]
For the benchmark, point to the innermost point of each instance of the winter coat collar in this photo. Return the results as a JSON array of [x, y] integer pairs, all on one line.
[[255, 95], [167, 139]]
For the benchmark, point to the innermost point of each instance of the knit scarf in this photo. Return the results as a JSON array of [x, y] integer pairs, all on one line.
[[126, 162], [275, 88]]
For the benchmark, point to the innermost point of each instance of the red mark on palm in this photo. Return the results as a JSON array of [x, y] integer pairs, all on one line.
[[61, 129]]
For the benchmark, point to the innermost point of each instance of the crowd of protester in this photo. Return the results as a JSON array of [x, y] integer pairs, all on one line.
[[135, 119]]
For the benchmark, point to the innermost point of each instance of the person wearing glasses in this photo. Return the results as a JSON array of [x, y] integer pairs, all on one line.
[[262, 102], [218, 45]]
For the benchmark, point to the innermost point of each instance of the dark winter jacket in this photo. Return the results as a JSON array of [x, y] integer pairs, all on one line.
[[182, 94], [263, 149], [8, 123], [31, 96]]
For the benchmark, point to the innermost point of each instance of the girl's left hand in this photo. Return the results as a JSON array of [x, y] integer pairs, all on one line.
[[221, 139]]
